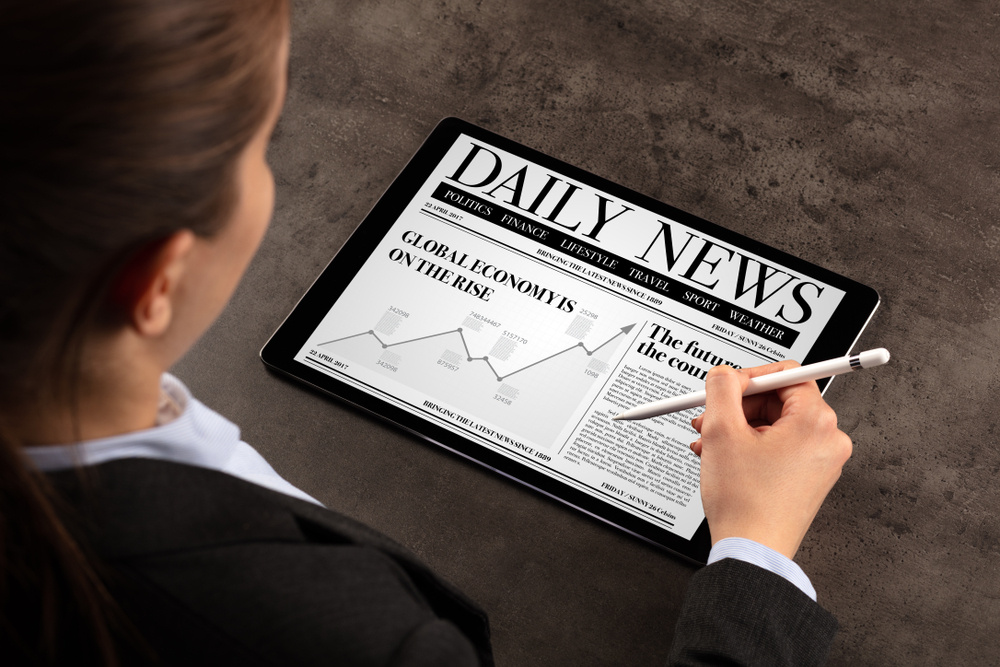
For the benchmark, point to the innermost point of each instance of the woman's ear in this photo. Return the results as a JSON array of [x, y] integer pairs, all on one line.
[[146, 287]]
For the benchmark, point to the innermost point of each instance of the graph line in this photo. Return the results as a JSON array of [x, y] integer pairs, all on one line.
[[414, 340], [500, 378]]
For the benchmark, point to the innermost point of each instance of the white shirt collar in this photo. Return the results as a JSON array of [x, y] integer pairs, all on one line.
[[186, 432]]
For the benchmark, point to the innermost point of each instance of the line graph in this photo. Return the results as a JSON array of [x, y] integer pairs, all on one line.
[[485, 358], [530, 383]]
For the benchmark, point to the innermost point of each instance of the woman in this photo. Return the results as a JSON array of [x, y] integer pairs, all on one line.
[[136, 526]]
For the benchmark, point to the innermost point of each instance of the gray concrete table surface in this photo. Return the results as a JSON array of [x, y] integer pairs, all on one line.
[[859, 135]]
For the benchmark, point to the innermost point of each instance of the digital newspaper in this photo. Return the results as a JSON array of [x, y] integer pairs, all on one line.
[[523, 309]]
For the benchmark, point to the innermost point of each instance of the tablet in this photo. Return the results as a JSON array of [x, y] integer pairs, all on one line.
[[506, 305]]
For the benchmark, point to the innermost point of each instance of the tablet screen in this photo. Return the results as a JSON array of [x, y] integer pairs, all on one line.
[[519, 306]]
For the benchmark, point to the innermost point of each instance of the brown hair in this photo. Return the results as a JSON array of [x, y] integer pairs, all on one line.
[[120, 123]]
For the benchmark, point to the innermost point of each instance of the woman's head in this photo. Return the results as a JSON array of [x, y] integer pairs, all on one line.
[[121, 122], [132, 134]]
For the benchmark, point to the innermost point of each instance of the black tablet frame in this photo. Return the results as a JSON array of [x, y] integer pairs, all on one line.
[[837, 339]]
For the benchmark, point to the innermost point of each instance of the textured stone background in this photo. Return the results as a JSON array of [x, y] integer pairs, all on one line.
[[860, 135]]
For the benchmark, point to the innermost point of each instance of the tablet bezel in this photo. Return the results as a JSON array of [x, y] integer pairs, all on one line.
[[838, 337]]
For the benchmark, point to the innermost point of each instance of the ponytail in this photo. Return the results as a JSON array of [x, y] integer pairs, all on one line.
[[45, 569]]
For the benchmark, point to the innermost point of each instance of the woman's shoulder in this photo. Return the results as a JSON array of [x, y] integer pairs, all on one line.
[[138, 507], [192, 551]]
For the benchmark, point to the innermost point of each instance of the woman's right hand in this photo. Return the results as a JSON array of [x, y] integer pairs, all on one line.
[[767, 461]]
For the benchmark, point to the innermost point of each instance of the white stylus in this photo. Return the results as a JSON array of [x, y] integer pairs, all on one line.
[[763, 383]]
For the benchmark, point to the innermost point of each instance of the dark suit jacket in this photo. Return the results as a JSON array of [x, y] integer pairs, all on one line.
[[211, 569], [735, 613]]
